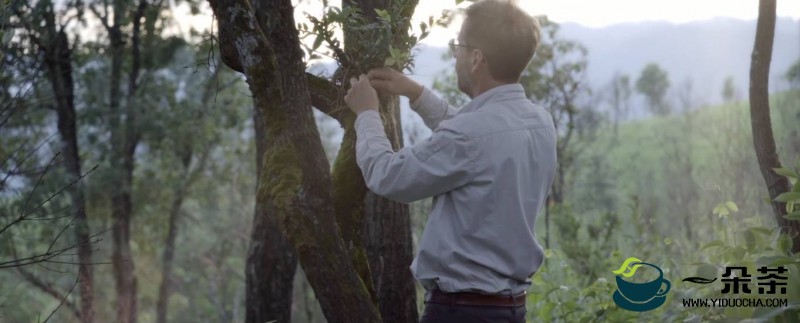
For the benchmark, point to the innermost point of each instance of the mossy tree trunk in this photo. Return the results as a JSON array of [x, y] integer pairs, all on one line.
[[380, 225], [763, 139], [295, 178], [271, 262], [291, 156]]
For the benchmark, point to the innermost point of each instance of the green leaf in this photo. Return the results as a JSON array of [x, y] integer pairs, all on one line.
[[731, 206], [761, 230], [712, 244], [788, 196], [550, 291], [750, 240], [786, 172], [784, 243], [738, 252], [766, 261], [777, 261], [766, 314], [794, 216], [389, 61], [383, 14]]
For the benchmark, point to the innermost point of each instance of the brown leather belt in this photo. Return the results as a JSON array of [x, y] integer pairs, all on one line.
[[475, 299]]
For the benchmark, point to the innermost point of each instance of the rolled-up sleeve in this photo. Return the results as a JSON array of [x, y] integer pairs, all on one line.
[[439, 164]]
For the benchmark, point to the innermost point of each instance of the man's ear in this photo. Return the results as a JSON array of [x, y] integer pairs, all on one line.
[[476, 60]]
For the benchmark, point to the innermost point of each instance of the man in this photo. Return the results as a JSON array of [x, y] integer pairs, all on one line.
[[488, 167]]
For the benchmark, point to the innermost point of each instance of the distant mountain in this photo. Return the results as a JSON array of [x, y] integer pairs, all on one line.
[[705, 51]]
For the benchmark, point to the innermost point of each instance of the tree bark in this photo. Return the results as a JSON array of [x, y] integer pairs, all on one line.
[[271, 262], [381, 225], [165, 289], [349, 190], [295, 177], [169, 255], [763, 139], [58, 62], [124, 140], [388, 237], [53, 42], [60, 68], [390, 252]]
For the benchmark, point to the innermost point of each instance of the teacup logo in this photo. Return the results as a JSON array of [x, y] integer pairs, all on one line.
[[646, 291]]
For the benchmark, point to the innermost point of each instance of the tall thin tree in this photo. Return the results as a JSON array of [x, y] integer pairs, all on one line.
[[763, 138], [51, 40]]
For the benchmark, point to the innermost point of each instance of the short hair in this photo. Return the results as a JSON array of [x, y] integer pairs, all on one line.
[[507, 36]]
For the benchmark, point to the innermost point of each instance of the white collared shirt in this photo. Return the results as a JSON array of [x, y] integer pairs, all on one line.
[[489, 167]]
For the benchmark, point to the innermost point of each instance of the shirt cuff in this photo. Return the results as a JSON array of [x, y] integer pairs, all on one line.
[[424, 96], [364, 119]]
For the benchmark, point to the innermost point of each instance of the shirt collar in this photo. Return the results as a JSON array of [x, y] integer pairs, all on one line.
[[498, 93]]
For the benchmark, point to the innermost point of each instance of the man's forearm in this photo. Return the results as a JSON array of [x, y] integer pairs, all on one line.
[[432, 108], [414, 92]]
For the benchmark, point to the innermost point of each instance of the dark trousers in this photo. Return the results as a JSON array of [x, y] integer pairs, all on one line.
[[447, 313]]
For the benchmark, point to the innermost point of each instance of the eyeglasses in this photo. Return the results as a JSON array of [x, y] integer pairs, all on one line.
[[453, 44]]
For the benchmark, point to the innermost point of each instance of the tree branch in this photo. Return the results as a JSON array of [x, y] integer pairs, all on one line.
[[136, 48], [49, 290], [77, 279], [47, 256], [103, 18], [326, 97]]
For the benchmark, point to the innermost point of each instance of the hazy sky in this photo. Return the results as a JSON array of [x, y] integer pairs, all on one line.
[[592, 13], [607, 12], [596, 13]]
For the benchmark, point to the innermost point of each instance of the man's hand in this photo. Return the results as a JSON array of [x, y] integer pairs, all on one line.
[[393, 82], [361, 96]]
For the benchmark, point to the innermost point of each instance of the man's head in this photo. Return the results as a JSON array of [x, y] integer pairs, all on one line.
[[496, 43]]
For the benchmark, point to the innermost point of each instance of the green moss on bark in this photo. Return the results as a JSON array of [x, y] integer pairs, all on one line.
[[281, 177], [348, 196], [289, 179]]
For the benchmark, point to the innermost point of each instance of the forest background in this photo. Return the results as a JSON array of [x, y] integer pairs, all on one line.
[[142, 178]]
